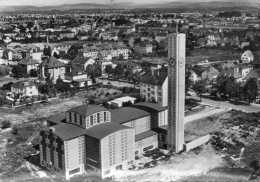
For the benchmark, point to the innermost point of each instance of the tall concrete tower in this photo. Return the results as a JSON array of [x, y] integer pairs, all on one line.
[[176, 91]]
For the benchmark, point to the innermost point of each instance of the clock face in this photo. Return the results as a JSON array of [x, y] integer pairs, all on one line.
[[172, 61]]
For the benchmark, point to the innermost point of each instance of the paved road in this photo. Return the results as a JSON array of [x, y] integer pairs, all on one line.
[[227, 105], [204, 114]]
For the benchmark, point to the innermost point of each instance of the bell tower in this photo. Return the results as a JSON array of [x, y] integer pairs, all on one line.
[[176, 91]]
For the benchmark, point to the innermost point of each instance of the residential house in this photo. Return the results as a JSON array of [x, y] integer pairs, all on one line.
[[30, 64], [154, 86], [247, 57], [24, 89], [52, 68]]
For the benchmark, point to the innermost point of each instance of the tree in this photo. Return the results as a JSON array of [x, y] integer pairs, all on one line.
[[74, 51], [199, 87], [251, 89], [55, 54], [94, 71], [33, 73], [109, 69], [62, 86], [47, 51], [19, 71]]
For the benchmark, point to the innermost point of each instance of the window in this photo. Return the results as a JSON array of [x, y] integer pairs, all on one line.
[[105, 116], [80, 119], [74, 171], [119, 167], [91, 120], [148, 148], [98, 117]]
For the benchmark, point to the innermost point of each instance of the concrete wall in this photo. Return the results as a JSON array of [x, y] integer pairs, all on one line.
[[197, 142], [117, 149], [140, 125], [145, 144], [74, 156]]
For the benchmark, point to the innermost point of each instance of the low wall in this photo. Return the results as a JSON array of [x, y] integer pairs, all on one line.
[[197, 142]]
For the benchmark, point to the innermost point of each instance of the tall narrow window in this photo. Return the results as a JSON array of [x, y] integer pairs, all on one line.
[[91, 120], [98, 117], [105, 116]]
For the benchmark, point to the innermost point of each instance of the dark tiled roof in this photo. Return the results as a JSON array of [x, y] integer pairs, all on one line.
[[85, 110], [145, 134], [102, 130], [67, 131], [57, 118], [52, 62], [125, 114], [156, 78], [22, 84], [149, 106]]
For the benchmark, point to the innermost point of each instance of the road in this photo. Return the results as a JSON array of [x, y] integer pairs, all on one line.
[[227, 105]]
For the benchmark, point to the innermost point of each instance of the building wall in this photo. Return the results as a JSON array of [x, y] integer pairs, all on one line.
[[55, 73], [146, 144], [140, 125], [117, 151], [74, 151], [156, 93], [52, 152], [93, 160], [89, 121]]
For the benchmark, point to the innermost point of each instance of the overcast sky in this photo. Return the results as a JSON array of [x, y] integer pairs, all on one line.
[[57, 2]]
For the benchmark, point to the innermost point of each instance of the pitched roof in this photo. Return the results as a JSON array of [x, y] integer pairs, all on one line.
[[85, 110], [125, 114], [52, 62], [102, 130], [67, 131], [22, 84], [155, 78]]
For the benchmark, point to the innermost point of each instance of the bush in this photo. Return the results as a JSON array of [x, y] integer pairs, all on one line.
[[5, 124]]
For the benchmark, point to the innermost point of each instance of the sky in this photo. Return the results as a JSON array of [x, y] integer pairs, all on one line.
[[58, 2]]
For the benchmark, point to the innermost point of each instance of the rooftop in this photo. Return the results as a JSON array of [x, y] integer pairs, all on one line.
[[22, 84], [102, 130], [52, 62], [145, 134], [156, 77], [68, 131], [150, 106], [125, 114], [87, 110]]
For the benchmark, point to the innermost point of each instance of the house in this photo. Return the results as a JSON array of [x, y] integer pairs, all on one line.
[[76, 71], [30, 64], [88, 139], [209, 73], [24, 89], [154, 86], [119, 101], [247, 57], [52, 68]]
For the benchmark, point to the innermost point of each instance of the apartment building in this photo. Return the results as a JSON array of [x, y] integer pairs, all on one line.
[[154, 86]]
